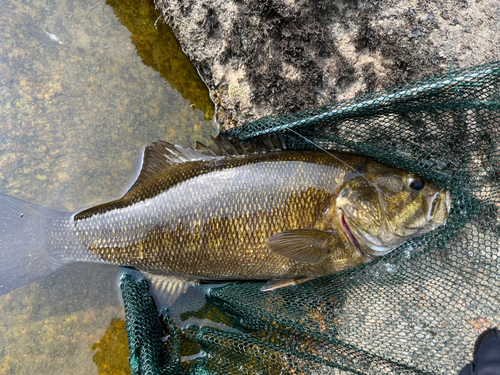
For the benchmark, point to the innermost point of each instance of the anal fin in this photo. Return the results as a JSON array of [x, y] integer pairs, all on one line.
[[165, 290], [281, 283]]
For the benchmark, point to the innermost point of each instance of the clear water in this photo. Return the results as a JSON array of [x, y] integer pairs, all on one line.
[[76, 108]]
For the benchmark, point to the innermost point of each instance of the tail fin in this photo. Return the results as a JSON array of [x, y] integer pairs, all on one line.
[[28, 236]]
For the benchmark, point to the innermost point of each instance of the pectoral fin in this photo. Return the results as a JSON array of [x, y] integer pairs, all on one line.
[[281, 283], [304, 245]]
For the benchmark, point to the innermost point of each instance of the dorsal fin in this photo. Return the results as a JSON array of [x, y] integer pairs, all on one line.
[[226, 144], [161, 155]]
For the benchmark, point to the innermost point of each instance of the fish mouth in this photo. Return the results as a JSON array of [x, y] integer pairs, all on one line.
[[370, 245], [354, 242], [438, 208]]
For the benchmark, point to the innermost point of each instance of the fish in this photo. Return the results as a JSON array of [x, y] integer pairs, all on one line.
[[230, 211], [53, 37]]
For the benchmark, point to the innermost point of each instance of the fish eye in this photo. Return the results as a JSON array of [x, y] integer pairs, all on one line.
[[415, 182]]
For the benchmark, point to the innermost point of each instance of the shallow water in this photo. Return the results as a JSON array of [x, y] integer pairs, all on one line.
[[76, 108]]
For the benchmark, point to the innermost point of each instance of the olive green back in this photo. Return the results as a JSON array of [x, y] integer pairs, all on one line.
[[417, 310]]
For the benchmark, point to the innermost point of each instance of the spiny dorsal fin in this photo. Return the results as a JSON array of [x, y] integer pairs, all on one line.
[[226, 145]]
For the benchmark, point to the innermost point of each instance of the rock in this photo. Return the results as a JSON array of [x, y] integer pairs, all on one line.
[[277, 56]]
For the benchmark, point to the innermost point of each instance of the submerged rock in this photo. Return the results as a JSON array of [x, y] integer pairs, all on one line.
[[276, 56]]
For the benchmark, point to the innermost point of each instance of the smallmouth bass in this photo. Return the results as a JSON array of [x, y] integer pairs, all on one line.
[[231, 212]]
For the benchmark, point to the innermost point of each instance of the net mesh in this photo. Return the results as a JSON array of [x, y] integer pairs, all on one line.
[[417, 310]]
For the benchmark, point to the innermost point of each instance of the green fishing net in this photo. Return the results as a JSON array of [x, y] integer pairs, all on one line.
[[417, 310]]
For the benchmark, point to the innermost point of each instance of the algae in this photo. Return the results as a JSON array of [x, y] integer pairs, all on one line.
[[111, 355], [158, 48], [74, 118]]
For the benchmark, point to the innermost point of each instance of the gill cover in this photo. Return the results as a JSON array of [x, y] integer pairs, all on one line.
[[385, 208]]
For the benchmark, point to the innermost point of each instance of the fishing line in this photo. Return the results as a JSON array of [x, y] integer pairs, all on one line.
[[343, 162]]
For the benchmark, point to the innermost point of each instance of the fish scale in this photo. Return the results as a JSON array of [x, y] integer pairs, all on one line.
[[281, 191]]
